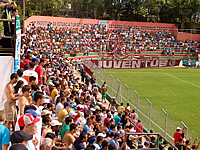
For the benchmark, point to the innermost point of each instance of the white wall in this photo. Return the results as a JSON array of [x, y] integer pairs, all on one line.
[[6, 68]]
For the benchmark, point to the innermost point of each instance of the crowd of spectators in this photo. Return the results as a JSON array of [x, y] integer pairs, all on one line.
[[49, 107], [98, 39]]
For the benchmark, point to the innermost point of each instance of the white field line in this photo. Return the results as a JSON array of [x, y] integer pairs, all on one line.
[[181, 80], [165, 74]]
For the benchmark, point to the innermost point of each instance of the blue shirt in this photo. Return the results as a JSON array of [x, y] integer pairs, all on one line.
[[4, 136], [113, 141], [78, 144], [86, 129]]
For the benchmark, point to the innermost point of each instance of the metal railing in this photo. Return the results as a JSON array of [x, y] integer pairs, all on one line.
[[152, 118], [154, 134]]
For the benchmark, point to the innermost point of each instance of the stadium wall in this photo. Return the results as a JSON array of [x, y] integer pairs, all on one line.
[[110, 24]]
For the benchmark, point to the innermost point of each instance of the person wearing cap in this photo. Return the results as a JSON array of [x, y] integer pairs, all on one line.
[[18, 147], [4, 132], [55, 124], [69, 138], [114, 141], [30, 72], [86, 127], [20, 137], [32, 112], [27, 123], [177, 135], [36, 62]]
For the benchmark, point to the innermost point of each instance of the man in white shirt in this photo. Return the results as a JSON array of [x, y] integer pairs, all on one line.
[[60, 105], [30, 72], [20, 74]]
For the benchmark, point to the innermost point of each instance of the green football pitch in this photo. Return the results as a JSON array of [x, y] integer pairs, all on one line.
[[176, 90]]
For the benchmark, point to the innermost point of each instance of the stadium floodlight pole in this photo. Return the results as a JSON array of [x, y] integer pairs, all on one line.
[[150, 105], [112, 85], [137, 100], [165, 122], [186, 128], [127, 92]]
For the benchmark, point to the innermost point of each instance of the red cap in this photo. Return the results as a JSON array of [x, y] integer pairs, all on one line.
[[27, 119]]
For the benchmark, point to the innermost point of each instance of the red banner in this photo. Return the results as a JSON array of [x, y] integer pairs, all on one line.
[[133, 63], [88, 70]]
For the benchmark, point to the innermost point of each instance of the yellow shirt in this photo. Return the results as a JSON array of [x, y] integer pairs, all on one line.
[[120, 108], [62, 113], [54, 93]]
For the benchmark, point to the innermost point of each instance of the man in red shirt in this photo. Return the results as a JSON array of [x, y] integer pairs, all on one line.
[[177, 135], [140, 126], [39, 70]]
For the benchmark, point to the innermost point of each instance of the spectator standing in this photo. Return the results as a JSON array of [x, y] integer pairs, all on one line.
[[30, 72], [103, 92], [4, 132], [177, 135], [20, 74], [39, 70], [10, 106]]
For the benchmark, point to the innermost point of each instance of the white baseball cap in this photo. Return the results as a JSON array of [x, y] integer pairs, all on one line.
[[72, 113], [178, 128], [101, 134], [55, 123]]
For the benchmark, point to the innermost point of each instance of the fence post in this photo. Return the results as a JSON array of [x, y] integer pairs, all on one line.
[[120, 94], [100, 77], [165, 122], [137, 100], [112, 85], [149, 112], [106, 76], [127, 92], [186, 128]]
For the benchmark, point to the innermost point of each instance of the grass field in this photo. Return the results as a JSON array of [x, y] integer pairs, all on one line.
[[176, 90]]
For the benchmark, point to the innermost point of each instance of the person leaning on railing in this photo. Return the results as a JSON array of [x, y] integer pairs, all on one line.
[[7, 14]]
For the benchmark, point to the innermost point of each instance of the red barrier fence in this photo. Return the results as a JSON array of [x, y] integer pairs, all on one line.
[[133, 63], [110, 24]]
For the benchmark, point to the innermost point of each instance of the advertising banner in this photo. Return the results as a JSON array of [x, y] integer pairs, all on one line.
[[18, 44], [133, 63]]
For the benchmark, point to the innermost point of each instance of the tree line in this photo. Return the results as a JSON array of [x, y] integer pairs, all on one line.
[[184, 13]]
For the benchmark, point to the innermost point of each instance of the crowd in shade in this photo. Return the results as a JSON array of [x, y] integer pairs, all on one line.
[[49, 106], [97, 38]]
